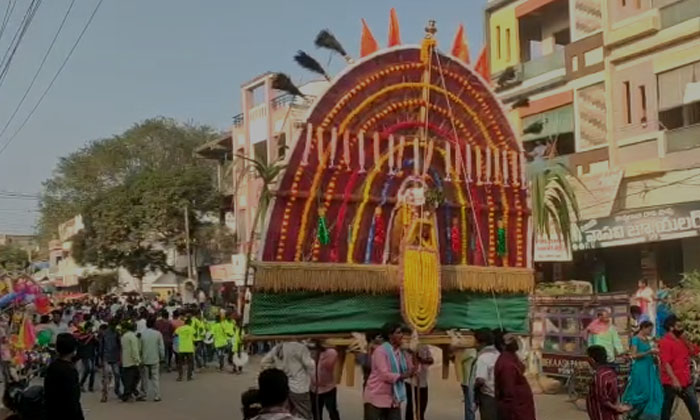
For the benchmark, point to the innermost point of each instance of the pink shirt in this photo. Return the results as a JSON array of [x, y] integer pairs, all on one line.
[[380, 386], [326, 367]]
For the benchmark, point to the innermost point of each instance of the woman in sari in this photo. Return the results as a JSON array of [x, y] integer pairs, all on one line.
[[644, 392], [602, 332]]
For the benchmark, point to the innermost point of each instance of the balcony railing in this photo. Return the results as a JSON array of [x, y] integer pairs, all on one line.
[[681, 139], [544, 64], [288, 99], [680, 11], [280, 101]]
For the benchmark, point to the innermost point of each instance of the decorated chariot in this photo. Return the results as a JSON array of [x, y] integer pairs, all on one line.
[[404, 199]]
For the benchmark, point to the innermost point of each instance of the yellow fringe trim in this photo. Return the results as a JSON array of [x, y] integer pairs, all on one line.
[[280, 277], [487, 279]]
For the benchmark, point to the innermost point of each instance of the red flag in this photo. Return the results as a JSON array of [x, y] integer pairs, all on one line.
[[460, 47], [482, 65], [368, 44], [394, 32]]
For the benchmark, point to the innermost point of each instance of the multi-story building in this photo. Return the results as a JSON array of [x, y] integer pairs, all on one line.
[[611, 88], [26, 242], [264, 130], [66, 273]]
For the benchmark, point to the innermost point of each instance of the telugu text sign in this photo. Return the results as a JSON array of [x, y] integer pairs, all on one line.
[[646, 225]]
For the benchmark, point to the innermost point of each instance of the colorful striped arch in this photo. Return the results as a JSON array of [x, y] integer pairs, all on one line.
[[348, 168]]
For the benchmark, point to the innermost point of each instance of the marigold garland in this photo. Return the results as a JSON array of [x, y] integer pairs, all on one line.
[[480, 99], [491, 223], [418, 85], [287, 213], [519, 237], [420, 288], [365, 199], [505, 212]]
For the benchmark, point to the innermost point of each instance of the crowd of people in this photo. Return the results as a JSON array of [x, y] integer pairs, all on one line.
[[492, 375], [660, 363], [660, 373], [395, 380], [129, 339]]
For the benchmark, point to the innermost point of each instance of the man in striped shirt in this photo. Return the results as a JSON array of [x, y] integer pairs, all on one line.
[[603, 401]]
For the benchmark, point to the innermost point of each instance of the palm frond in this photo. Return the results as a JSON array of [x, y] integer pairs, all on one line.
[[554, 204]]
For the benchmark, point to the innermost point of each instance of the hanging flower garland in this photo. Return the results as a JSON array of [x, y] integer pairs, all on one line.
[[324, 235], [503, 227], [455, 238], [287, 213], [377, 236], [491, 223]]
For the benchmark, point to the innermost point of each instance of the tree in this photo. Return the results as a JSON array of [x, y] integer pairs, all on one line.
[[553, 198], [267, 173], [103, 164], [13, 258], [133, 225], [101, 283]]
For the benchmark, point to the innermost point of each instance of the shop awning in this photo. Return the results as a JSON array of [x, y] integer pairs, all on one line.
[[596, 193], [554, 122]]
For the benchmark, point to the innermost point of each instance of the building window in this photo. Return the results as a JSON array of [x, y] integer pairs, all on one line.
[[628, 103], [624, 3], [643, 103], [562, 39], [260, 151], [508, 56], [498, 41], [679, 96], [281, 145]]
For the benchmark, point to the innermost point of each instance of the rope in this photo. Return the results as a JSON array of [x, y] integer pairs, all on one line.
[[469, 192]]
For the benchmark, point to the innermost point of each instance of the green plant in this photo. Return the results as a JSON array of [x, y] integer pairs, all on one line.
[[685, 303], [267, 173], [553, 199]]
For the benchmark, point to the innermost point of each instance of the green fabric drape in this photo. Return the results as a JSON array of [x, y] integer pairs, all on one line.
[[308, 313]]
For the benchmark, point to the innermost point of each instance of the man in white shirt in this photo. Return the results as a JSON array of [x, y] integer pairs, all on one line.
[[484, 379], [294, 359]]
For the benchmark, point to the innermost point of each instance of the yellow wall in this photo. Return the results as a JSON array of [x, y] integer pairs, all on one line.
[[504, 19]]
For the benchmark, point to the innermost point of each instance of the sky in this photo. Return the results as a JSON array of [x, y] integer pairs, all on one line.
[[176, 58]]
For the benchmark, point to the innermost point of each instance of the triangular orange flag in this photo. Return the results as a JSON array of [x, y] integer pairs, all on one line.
[[482, 65], [394, 32], [368, 44], [460, 47]]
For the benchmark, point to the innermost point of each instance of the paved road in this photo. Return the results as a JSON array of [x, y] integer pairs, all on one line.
[[216, 395]]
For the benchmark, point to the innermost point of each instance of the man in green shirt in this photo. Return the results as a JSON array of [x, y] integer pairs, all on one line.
[[185, 335], [221, 340], [200, 330], [131, 360]]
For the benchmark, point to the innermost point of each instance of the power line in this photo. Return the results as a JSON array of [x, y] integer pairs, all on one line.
[[41, 66], [8, 12], [11, 195], [60, 69], [17, 39]]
